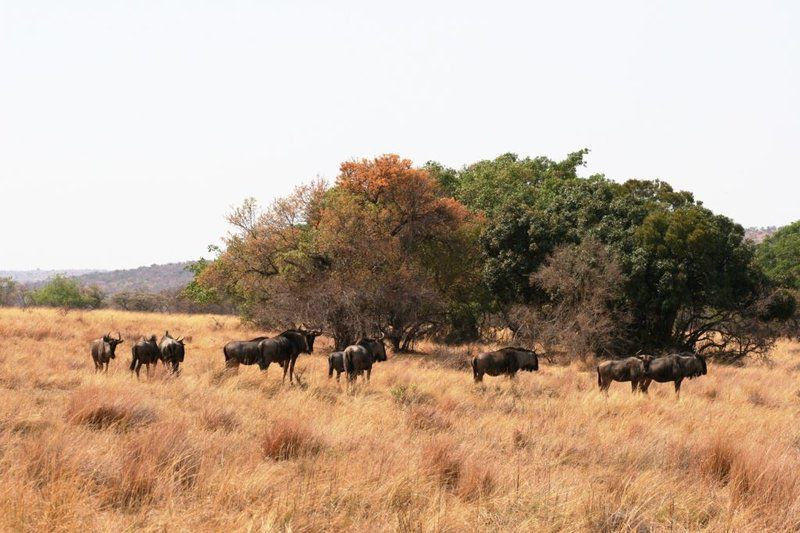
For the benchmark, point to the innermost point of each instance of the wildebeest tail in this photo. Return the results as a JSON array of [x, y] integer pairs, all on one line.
[[347, 363], [133, 358], [475, 367], [225, 351], [330, 366], [599, 379]]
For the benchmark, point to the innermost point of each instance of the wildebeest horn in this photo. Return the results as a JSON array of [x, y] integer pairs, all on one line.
[[383, 335], [119, 335], [179, 339]]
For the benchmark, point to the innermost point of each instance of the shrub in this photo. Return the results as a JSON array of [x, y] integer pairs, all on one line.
[[68, 293]]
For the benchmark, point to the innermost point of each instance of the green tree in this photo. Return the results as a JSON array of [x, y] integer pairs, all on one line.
[[197, 291], [10, 292], [688, 275], [490, 185], [61, 291], [779, 256]]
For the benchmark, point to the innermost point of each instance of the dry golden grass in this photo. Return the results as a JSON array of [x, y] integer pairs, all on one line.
[[421, 448]]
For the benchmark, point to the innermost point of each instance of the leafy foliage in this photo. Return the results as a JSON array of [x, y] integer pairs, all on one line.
[[408, 251], [779, 256], [66, 292], [10, 292], [366, 255], [687, 274]]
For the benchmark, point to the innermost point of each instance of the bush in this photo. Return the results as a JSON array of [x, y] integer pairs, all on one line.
[[61, 291]]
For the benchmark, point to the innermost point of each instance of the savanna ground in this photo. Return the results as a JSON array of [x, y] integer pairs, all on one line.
[[421, 448]]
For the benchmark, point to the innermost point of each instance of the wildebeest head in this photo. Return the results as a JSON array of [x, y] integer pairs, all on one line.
[[527, 359], [646, 360], [179, 340], [112, 343], [310, 335], [375, 346], [703, 366]]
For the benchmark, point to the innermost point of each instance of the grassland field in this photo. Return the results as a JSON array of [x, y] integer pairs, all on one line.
[[420, 448]]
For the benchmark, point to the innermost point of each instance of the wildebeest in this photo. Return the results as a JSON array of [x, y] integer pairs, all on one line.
[[145, 352], [103, 350], [674, 367], [507, 361], [631, 369], [171, 351], [359, 358], [282, 349], [336, 362]]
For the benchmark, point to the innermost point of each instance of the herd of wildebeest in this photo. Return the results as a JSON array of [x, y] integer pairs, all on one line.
[[358, 359]]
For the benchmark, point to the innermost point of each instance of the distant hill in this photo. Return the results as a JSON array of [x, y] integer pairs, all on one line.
[[36, 276], [152, 279], [757, 235]]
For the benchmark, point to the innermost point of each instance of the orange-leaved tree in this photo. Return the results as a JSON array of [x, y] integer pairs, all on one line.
[[383, 250]]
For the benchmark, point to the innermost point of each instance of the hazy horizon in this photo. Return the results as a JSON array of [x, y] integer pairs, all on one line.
[[128, 130]]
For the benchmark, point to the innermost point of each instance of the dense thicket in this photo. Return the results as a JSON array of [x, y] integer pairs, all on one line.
[[585, 265]]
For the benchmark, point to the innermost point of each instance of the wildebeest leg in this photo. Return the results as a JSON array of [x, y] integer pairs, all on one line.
[[285, 370], [678, 387], [291, 369], [138, 368], [106, 370], [369, 374], [644, 385]]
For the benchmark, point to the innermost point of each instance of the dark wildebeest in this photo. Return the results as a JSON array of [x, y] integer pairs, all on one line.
[[359, 358], [336, 362], [103, 350], [674, 367], [631, 369], [145, 352], [504, 361], [282, 349], [172, 352]]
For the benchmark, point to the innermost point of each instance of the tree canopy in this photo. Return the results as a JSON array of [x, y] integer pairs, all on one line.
[[411, 250], [375, 252], [61, 291], [779, 256]]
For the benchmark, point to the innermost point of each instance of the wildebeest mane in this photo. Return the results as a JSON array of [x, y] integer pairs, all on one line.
[[516, 349], [299, 340]]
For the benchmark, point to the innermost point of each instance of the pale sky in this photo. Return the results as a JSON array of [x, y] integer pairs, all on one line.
[[129, 129]]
